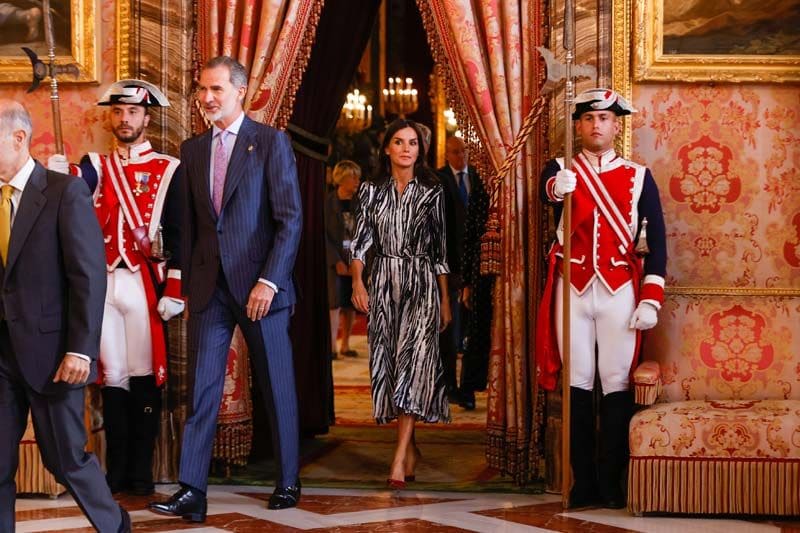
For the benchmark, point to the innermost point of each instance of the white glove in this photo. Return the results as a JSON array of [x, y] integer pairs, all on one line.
[[58, 163], [644, 317], [169, 307], [565, 183]]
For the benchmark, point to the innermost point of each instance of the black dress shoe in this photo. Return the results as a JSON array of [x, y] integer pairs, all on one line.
[[467, 400], [189, 504], [454, 396], [125, 525], [613, 501], [579, 499], [284, 497], [141, 489]]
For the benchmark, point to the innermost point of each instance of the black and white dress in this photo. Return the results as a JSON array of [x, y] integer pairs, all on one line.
[[407, 233]]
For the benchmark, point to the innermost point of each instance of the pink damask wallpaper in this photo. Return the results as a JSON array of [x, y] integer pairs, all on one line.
[[726, 160], [83, 123]]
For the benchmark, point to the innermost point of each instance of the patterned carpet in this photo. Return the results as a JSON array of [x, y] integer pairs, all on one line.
[[356, 452], [353, 404]]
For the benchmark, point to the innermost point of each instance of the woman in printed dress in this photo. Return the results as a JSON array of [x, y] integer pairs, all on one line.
[[401, 215]]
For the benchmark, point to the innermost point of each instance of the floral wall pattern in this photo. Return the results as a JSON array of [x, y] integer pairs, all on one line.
[[726, 160], [83, 123]]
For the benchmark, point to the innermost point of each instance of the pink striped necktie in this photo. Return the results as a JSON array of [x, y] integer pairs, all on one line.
[[220, 169]]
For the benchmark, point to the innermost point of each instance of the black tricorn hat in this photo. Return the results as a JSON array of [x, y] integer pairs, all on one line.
[[134, 92], [601, 100]]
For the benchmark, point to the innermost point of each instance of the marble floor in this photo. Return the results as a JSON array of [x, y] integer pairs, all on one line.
[[241, 509]]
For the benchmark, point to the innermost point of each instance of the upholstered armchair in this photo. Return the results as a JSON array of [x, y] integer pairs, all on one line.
[[721, 433]]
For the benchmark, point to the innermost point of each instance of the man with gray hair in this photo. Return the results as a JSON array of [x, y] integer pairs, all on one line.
[[241, 233], [52, 288]]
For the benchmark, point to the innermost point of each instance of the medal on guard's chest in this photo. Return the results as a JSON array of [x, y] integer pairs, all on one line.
[[141, 182]]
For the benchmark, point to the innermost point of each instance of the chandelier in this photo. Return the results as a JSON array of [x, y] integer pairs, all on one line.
[[356, 114], [450, 123], [400, 98]]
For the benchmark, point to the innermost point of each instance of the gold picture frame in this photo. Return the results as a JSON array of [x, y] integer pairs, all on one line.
[[75, 35], [123, 27], [620, 67], [679, 46]]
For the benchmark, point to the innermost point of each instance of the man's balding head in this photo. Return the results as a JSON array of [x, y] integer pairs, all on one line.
[[14, 117], [455, 152], [15, 138]]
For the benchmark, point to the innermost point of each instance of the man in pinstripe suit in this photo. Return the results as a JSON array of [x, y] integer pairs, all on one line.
[[242, 230]]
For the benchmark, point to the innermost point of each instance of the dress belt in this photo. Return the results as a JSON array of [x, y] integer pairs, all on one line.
[[390, 256], [396, 273]]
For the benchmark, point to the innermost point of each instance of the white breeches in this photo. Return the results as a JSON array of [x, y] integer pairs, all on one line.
[[599, 318], [125, 345]]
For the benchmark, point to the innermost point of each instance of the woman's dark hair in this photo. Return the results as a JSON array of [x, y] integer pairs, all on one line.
[[422, 171]]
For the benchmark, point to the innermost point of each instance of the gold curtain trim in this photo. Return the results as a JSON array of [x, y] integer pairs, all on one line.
[[781, 292], [646, 393], [510, 460], [232, 442], [299, 67], [714, 486]]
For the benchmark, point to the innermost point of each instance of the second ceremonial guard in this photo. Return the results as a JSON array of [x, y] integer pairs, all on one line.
[[617, 271], [136, 193]]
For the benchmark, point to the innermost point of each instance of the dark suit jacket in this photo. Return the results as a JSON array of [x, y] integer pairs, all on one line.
[[258, 231], [334, 236], [456, 218], [54, 282], [334, 230]]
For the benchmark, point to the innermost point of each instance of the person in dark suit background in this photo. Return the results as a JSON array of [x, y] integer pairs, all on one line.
[[51, 312], [466, 203], [241, 232]]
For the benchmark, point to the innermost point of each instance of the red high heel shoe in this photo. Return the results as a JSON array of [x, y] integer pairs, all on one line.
[[396, 484]]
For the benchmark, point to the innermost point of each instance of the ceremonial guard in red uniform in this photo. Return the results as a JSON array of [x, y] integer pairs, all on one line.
[[618, 264], [137, 202]]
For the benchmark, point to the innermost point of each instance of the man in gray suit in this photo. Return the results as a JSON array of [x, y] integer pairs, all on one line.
[[240, 237], [52, 275]]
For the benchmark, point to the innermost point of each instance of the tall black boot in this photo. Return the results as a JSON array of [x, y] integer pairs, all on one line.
[[145, 413], [616, 410], [115, 423], [581, 448]]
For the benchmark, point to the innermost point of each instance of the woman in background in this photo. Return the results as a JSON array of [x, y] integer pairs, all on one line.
[[339, 227], [401, 214]]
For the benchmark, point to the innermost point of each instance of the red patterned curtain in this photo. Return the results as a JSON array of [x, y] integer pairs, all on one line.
[[271, 38], [487, 52]]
